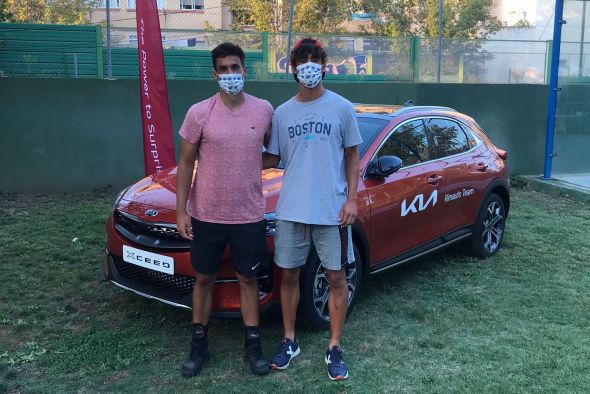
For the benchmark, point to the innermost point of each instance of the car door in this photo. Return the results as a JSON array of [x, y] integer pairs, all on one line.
[[405, 206], [464, 167]]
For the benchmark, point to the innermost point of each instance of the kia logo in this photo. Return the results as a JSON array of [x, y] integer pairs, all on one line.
[[151, 212]]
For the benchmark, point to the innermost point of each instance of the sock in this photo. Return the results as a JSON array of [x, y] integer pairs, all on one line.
[[252, 335], [199, 331]]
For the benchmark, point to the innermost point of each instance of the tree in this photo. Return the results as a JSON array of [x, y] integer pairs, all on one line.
[[309, 16], [404, 18], [5, 15], [72, 12]]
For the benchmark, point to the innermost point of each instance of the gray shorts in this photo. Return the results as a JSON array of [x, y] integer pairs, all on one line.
[[293, 242]]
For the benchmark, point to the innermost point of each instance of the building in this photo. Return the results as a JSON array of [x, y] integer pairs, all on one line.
[[176, 17]]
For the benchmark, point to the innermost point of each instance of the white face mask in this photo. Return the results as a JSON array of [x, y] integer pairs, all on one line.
[[231, 84], [309, 74]]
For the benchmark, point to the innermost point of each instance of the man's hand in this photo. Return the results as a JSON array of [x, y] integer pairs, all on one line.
[[183, 224], [348, 213]]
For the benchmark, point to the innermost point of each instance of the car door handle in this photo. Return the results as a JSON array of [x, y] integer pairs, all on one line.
[[481, 167], [434, 179]]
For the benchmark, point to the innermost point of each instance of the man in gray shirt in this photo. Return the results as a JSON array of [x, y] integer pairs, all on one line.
[[316, 136]]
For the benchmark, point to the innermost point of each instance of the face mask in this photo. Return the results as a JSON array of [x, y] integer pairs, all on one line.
[[231, 84], [309, 74]]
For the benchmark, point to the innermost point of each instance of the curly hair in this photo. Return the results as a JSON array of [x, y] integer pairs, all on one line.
[[305, 47]]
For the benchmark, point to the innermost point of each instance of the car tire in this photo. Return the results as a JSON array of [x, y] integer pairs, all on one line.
[[314, 289], [488, 230]]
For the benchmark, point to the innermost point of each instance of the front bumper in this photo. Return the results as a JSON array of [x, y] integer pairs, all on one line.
[[176, 289]]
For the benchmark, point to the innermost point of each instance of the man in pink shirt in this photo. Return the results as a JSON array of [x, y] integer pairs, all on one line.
[[224, 204]]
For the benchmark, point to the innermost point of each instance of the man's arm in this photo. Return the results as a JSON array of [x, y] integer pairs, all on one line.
[[270, 160], [184, 177], [351, 159]]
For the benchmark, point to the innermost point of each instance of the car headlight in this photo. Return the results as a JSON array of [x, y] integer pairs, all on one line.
[[271, 220], [118, 198]]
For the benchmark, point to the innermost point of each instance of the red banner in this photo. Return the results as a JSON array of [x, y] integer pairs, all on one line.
[[158, 140]]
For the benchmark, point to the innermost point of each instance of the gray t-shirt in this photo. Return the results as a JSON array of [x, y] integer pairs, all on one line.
[[310, 138]]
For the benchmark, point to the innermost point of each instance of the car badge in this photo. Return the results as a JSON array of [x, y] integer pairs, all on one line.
[[151, 212]]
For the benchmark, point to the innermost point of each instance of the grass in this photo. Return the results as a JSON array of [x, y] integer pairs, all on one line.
[[518, 322]]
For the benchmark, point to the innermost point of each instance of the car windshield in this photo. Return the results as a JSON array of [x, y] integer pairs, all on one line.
[[369, 128]]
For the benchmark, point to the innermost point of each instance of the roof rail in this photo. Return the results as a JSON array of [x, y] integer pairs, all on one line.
[[381, 109], [404, 110]]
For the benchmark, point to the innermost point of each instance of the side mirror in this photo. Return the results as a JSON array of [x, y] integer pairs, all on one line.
[[384, 166]]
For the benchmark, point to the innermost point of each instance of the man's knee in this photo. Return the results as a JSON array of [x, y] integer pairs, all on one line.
[[204, 280], [248, 281], [290, 277], [336, 279]]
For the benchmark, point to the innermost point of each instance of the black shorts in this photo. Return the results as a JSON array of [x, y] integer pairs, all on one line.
[[247, 242]]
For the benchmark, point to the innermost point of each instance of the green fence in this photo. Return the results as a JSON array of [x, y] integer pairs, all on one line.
[[79, 52], [50, 51], [180, 64]]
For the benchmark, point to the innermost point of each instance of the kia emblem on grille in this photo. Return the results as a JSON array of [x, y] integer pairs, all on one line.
[[151, 212]]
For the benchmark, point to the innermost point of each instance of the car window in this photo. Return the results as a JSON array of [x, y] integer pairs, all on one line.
[[470, 136], [408, 142], [448, 138], [369, 129]]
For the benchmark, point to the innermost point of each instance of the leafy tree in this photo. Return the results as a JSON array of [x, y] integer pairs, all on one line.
[[5, 15], [73, 12], [310, 16], [403, 18]]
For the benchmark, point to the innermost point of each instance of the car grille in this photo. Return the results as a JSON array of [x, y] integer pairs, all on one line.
[[153, 235], [177, 286]]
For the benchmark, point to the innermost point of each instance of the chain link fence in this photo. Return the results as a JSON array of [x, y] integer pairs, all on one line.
[[518, 53], [571, 162]]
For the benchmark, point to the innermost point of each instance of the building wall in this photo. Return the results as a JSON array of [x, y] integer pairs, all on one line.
[[213, 15]]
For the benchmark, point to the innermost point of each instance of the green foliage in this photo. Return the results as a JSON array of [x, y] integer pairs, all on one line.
[[404, 18], [309, 16], [69, 12]]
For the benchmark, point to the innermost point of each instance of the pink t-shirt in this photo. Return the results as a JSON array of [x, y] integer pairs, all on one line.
[[228, 184]]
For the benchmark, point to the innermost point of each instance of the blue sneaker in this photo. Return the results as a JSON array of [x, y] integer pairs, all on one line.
[[285, 352], [337, 369]]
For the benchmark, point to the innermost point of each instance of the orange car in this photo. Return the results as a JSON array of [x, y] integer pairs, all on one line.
[[429, 178]]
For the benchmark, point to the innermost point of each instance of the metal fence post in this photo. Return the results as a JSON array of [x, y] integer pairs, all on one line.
[[265, 56], [461, 72], [440, 26], [548, 55], [99, 60], [287, 54], [109, 61], [415, 58], [553, 89]]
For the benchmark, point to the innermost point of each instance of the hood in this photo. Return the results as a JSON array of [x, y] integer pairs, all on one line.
[[159, 191]]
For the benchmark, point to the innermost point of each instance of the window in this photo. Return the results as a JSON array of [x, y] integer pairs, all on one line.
[[192, 4], [408, 142], [161, 4], [369, 129], [448, 137], [471, 136], [112, 4], [132, 39]]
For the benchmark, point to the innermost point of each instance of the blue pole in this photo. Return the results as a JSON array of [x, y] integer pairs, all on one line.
[[553, 89]]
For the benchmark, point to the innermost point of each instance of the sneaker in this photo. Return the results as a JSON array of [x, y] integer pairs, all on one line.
[[197, 357], [253, 356], [337, 369], [285, 352]]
